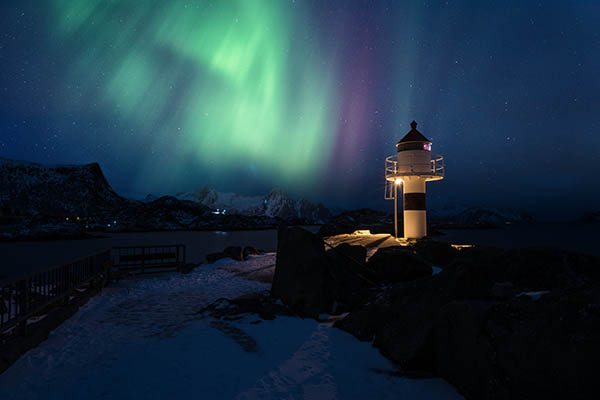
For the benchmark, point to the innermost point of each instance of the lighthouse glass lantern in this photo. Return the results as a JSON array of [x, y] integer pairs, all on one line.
[[409, 170]]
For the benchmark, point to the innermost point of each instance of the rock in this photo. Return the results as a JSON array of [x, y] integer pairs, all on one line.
[[503, 290], [437, 253], [466, 324], [521, 348], [533, 269], [234, 252], [301, 272], [349, 278], [212, 257], [249, 251], [397, 264], [187, 268], [349, 253], [311, 281]]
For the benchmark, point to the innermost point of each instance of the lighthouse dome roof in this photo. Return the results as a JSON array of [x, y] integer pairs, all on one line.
[[414, 135]]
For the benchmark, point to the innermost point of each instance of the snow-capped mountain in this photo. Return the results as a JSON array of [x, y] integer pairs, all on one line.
[[276, 204], [228, 202]]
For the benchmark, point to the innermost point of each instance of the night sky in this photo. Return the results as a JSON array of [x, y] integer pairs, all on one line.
[[310, 96]]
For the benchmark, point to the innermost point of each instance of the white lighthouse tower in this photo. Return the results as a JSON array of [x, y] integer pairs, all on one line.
[[412, 167]]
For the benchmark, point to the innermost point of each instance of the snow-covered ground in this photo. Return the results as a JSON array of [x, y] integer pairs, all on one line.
[[143, 339]]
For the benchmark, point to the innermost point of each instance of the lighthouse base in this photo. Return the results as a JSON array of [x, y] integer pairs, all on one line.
[[415, 218], [415, 224]]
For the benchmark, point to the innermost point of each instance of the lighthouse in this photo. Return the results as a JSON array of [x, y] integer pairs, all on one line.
[[410, 169]]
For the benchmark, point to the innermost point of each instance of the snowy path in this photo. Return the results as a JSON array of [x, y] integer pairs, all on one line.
[[143, 339]]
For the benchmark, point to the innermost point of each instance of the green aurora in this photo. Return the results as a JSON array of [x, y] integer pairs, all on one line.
[[219, 82]]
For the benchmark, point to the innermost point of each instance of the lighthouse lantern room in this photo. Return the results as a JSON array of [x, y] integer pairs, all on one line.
[[410, 169]]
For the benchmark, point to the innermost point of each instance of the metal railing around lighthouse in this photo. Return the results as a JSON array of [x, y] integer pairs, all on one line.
[[393, 169]]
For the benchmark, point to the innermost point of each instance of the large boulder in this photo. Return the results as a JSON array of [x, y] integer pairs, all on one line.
[[310, 280], [435, 252], [301, 273], [349, 279], [397, 264]]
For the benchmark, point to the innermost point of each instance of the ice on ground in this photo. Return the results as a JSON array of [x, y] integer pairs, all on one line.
[[143, 339]]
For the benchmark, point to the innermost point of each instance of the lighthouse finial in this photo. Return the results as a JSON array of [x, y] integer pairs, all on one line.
[[413, 124]]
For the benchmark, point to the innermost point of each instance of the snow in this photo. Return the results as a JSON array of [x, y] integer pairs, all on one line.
[[145, 339], [535, 296]]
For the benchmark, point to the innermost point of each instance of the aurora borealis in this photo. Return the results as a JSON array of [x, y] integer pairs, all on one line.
[[246, 95], [213, 80]]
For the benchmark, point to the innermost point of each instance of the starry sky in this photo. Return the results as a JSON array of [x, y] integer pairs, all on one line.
[[310, 96]]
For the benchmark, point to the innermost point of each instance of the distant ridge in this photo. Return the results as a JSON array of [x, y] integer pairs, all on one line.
[[276, 204], [50, 201], [30, 189]]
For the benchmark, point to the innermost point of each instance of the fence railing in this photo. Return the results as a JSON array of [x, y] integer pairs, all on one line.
[[149, 258], [23, 297]]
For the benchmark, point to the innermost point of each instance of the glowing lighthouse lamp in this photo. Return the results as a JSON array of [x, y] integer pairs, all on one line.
[[412, 166]]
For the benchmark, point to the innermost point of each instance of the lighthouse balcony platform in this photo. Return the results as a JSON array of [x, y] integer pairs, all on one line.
[[431, 170]]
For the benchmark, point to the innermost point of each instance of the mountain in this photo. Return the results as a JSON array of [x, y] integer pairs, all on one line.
[[30, 189], [477, 216], [276, 204], [50, 201]]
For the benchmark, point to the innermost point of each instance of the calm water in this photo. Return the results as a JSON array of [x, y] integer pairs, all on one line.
[[581, 237], [22, 257]]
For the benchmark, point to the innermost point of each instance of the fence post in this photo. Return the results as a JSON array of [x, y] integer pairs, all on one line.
[[21, 305], [67, 284]]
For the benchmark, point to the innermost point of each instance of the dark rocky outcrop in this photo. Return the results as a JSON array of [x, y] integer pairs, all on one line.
[[435, 252], [521, 348], [467, 324], [397, 264]]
